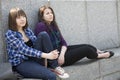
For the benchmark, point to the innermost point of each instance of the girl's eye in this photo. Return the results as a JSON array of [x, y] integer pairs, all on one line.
[[47, 13], [23, 16]]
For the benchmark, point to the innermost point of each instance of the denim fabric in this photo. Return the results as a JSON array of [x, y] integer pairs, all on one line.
[[34, 67], [43, 43]]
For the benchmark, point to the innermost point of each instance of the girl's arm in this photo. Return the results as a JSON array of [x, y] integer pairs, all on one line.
[[19, 45], [61, 58]]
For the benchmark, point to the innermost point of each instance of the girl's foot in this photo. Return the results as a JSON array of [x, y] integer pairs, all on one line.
[[105, 54], [61, 72], [110, 53]]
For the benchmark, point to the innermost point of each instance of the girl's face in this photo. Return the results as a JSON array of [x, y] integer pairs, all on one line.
[[21, 21], [48, 15]]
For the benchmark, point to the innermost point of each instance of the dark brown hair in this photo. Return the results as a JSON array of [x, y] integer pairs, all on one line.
[[13, 14], [41, 13]]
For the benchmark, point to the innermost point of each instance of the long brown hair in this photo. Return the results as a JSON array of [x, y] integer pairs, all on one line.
[[41, 13], [13, 14]]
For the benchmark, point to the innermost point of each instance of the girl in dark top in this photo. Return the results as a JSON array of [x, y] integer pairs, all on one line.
[[26, 52], [68, 54]]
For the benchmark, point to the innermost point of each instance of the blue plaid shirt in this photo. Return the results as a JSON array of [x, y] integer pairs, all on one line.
[[17, 50]]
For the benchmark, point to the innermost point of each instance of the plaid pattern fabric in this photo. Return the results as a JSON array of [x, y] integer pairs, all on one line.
[[17, 50]]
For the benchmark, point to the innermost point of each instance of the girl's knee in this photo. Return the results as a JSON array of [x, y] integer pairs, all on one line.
[[43, 34]]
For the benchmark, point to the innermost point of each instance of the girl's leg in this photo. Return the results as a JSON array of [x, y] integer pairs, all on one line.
[[101, 54], [81, 45], [44, 40], [31, 69], [76, 52], [43, 43]]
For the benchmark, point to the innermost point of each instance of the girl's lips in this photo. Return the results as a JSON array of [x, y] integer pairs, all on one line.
[[22, 23]]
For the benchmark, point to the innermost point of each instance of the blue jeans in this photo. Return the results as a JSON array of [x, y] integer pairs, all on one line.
[[34, 67]]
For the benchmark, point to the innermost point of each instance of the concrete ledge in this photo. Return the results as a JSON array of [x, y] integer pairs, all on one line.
[[6, 72], [103, 69]]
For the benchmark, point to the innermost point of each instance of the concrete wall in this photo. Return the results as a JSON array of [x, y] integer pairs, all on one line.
[[2, 48], [102, 24], [0, 35], [87, 21], [93, 22]]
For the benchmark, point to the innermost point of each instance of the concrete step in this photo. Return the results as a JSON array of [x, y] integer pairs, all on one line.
[[102, 69]]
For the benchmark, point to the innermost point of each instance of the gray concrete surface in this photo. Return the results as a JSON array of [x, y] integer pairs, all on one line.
[[95, 22], [103, 69]]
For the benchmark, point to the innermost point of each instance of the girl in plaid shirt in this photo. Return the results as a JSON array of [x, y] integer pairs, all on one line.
[[26, 52]]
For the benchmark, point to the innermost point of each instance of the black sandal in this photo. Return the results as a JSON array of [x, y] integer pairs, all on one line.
[[111, 53]]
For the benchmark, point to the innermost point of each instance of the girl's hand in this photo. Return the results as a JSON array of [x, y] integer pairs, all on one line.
[[61, 58], [53, 54]]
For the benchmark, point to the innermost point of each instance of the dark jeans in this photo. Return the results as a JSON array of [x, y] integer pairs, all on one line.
[[34, 68], [75, 53]]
